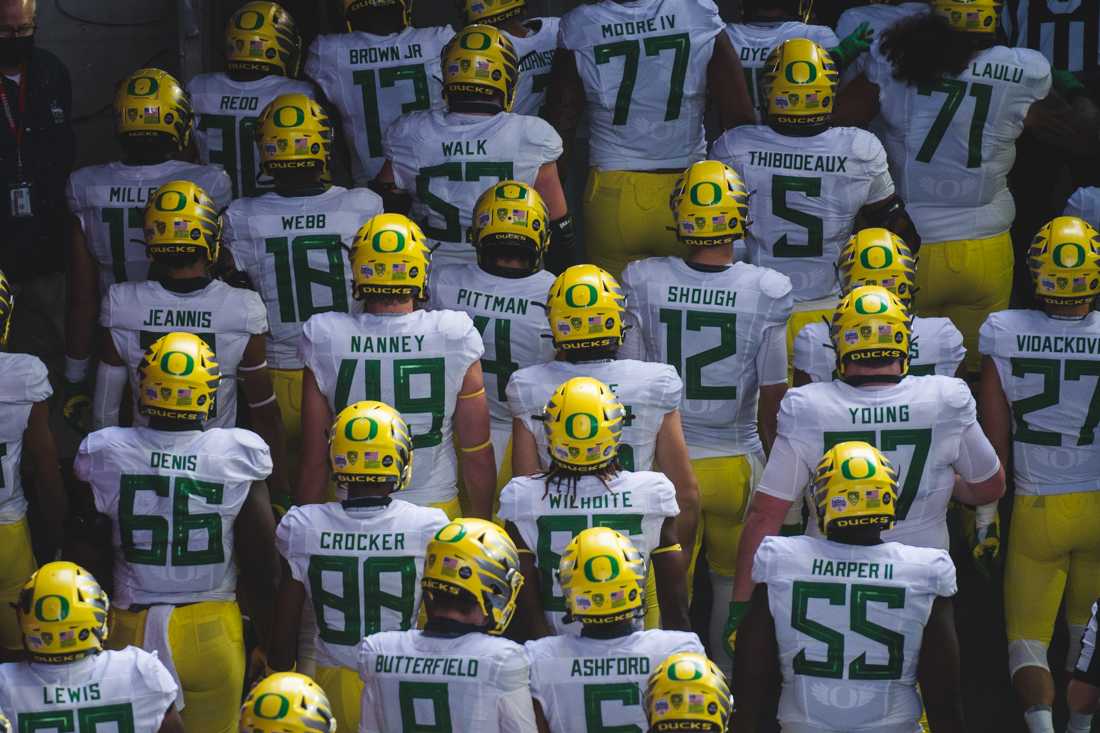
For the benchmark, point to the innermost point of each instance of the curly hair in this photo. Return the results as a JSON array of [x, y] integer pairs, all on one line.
[[925, 48], [564, 479]]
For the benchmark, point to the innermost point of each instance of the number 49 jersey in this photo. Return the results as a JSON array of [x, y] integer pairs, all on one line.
[[1050, 373], [23, 382], [172, 498], [295, 252], [849, 622]]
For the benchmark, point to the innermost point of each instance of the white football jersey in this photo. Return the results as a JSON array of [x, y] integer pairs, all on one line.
[[1085, 204], [951, 146], [295, 251], [586, 684], [414, 362], [172, 498], [805, 195], [23, 382], [636, 503], [446, 161], [372, 80], [225, 317], [536, 55], [647, 391], [755, 41], [1050, 373], [420, 681], [128, 691], [109, 202], [712, 328], [644, 69], [226, 113], [879, 17], [361, 569], [849, 622], [936, 347]]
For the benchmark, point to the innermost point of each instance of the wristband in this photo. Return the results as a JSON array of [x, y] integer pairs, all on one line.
[[261, 403], [479, 446], [253, 368], [670, 548], [472, 395], [76, 370], [985, 515]]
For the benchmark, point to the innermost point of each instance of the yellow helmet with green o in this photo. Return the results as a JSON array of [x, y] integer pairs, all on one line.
[[62, 613], [687, 692], [151, 103], [492, 12], [510, 218], [178, 378], [1064, 259], [371, 443], [390, 256], [261, 37], [800, 80], [293, 134], [181, 219], [969, 16], [855, 486], [709, 204], [870, 322], [480, 61], [583, 421], [287, 702], [602, 577], [877, 256], [585, 308]]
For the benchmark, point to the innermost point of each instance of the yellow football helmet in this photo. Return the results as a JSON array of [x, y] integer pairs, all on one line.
[[5, 724], [855, 486], [178, 378], [602, 576], [687, 691], [7, 309], [585, 307], [371, 443], [1064, 259], [877, 256], [293, 133], [510, 214], [709, 204], [491, 11], [262, 37], [180, 219], [150, 103], [969, 16], [62, 613], [353, 8], [390, 257], [287, 702], [800, 81], [480, 60], [871, 323], [583, 421], [478, 557]]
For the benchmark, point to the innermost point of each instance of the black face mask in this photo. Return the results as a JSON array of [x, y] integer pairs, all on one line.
[[16, 51]]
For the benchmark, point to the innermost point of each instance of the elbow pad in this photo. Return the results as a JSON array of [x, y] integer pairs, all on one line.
[[563, 243], [394, 200]]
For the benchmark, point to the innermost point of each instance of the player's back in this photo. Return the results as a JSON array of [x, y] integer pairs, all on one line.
[[128, 691], [23, 382], [172, 498], [226, 113], [1084, 203], [849, 622], [295, 252], [109, 202], [647, 391], [413, 680], [360, 566], [372, 80], [588, 684], [535, 52]]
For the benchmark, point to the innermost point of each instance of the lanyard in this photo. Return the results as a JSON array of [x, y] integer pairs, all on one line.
[[14, 123]]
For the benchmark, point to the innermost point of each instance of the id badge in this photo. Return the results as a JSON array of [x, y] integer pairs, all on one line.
[[19, 197]]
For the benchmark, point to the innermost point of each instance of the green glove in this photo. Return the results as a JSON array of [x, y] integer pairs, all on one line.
[[986, 545], [738, 609], [859, 41], [1066, 83], [77, 406]]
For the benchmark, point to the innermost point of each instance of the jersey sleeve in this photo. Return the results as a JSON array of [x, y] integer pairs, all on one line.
[[950, 340], [1037, 76], [36, 379], [771, 360], [151, 674], [543, 141], [251, 461], [515, 710], [722, 149], [313, 331], [803, 351], [872, 151], [509, 502], [533, 649], [668, 389], [221, 189], [665, 504], [823, 35], [987, 335], [106, 307], [255, 313], [72, 197], [513, 672], [786, 473], [466, 343], [285, 532], [977, 460], [82, 463], [1083, 202], [314, 67], [941, 574], [399, 147], [764, 560]]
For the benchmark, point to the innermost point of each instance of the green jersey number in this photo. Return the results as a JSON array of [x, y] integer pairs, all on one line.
[[815, 228], [438, 699], [356, 625], [183, 527], [117, 718], [1053, 371], [625, 694], [691, 370], [501, 365], [837, 594], [431, 368], [956, 90], [121, 222], [238, 152], [451, 231], [388, 78], [678, 43], [295, 277], [573, 524], [888, 441]]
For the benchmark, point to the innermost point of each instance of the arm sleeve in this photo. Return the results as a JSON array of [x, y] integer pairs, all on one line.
[[110, 383], [977, 460], [1087, 667], [514, 708], [771, 360]]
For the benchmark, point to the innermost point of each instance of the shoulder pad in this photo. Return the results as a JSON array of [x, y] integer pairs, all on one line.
[[956, 393], [775, 284]]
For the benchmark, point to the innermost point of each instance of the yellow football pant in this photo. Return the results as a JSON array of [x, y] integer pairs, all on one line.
[[1053, 548], [965, 280], [288, 395], [724, 487], [344, 690], [626, 217], [207, 645], [17, 568]]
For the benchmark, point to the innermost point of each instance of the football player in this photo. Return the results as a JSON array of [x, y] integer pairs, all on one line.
[[69, 676], [382, 68], [810, 179], [370, 536], [24, 427], [186, 506], [423, 363], [1038, 379], [641, 73], [853, 618], [504, 294], [153, 121], [875, 18], [585, 485], [877, 256], [722, 326], [592, 681], [287, 702], [687, 692], [1083, 693], [443, 159], [262, 53], [1085, 204], [479, 681], [928, 423], [292, 244]]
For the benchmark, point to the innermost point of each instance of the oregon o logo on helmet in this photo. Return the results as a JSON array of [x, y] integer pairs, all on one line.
[[512, 192], [714, 193], [351, 433], [271, 706], [856, 468], [279, 118], [49, 609], [875, 301], [453, 532], [807, 77], [249, 20], [601, 568], [171, 201], [142, 86], [685, 670], [876, 257], [590, 297], [467, 41], [589, 419], [171, 364], [377, 242], [1060, 256]]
